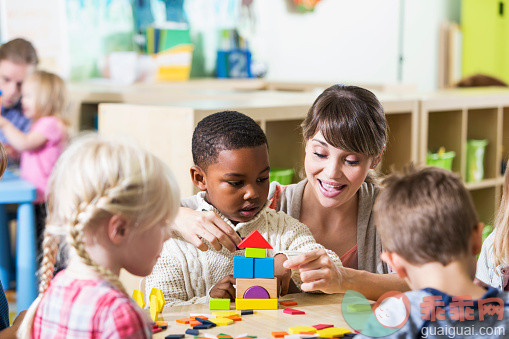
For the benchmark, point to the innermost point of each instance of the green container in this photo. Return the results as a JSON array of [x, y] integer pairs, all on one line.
[[283, 176], [486, 231], [475, 159], [443, 160]]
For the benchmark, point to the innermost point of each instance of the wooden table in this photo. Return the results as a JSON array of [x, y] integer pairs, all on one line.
[[319, 308]]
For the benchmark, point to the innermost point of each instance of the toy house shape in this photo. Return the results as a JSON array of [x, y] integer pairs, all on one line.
[[254, 274]]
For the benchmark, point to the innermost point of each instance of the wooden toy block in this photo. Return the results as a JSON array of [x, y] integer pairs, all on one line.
[[203, 327], [206, 321], [193, 323], [254, 240], [293, 312], [156, 330], [219, 304], [154, 308], [279, 334], [138, 297], [322, 326], [202, 317], [192, 332], [256, 252], [234, 317], [256, 304], [175, 336], [162, 323], [246, 312], [301, 329], [159, 297], [243, 267], [225, 313], [224, 336], [183, 320], [222, 321], [264, 268], [288, 303], [333, 332], [242, 285]]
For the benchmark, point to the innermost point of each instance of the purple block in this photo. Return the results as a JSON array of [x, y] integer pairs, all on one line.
[[256, 292]]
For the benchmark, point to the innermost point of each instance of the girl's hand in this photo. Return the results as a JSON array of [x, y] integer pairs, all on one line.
[[317, 272], [197, 225], [224, 288], [3, 121], [283, 275]]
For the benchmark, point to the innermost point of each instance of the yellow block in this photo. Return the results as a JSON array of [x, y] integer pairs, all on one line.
[[256, 304], [225, 313], [159, 298], [138, 297], [154, 313], [219, 321], [300, 329], [333, 332]]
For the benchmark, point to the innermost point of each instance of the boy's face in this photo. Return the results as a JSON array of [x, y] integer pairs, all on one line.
[[237, 184]]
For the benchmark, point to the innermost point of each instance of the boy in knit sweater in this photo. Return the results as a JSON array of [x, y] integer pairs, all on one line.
[[231, 169]]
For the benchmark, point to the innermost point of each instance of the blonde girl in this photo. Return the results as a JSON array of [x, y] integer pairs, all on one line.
[[493, 262], [112, 203]]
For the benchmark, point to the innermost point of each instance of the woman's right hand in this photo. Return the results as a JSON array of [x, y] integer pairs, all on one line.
[[194, 226]]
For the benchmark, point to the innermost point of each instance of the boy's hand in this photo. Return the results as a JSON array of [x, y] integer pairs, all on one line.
[[197, 225], [224, 288], [317, 272], [10, 332], [283, 275]]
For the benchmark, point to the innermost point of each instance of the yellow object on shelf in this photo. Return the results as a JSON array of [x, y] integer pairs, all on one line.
[[174, 64]]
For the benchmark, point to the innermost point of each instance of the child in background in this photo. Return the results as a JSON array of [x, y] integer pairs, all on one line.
[[43, 101], [112, 202], [232, 171], [431, 235], [493, 263]]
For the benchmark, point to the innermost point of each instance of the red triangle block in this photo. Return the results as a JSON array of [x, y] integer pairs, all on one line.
[[255, 240]]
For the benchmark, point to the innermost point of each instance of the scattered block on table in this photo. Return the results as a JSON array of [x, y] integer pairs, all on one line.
[[222, 321], [254, 240], [243, 267], [264, 268], [159, 297], [190, 331], [243, 335], [219, 304], [288, 302], [154, 308], [279, 334], [161, 323], [256, 304], [175, 336], [301, 329], [332, 332], [234, 317], [156, 330], [225, 313], [224, 336], [203, 326], [206, 321], [293, 311], [138, 297], [255, 252], [195, 322], [322, 326], [242, 285], [184, 320], [252, 336], [198, 316], [246, 312]]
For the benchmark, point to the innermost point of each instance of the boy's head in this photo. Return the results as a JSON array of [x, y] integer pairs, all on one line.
[[231, 164], [426, 215], [18, 59]]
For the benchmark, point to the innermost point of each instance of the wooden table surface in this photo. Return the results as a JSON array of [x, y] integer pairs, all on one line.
[[319, 308]]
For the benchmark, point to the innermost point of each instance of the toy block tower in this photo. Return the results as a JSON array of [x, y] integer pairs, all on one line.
[[254, 274]]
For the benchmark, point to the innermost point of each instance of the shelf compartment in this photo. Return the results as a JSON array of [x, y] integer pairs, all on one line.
[[398, 152], [485, 202], [482, 124]]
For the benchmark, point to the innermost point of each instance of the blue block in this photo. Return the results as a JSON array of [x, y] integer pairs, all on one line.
[[202, 327], [264, 268], [192, 332], [244, 267]]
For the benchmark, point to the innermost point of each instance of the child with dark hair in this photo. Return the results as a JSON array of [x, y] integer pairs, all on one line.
[[231, 169]]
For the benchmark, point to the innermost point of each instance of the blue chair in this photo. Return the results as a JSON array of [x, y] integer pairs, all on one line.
[[14, 190]]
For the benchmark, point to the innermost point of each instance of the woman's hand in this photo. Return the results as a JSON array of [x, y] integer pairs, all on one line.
[[317, 272], [194, 226]]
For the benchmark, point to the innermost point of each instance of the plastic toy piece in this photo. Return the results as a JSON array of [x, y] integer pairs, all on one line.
[[288, 303], [256, 292], [138, 297], [246, 312], [243, 267], [293, 312], [154, 308], [206, 322], [255, 240], [159, 297], [234, 317], [162, 323], [219, 304], [222, 321], [322, 326], [156, 330], [256, 304], [175, 336], [333, 332], [279, 334], [203, 327], [225, 313], [224, 336], [264, 268], [256, 252], [192, 332], [195, 322], [301, 329], [270, 285], [183, 320]]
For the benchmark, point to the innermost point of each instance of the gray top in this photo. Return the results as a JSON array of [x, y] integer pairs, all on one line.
[[486, 270]]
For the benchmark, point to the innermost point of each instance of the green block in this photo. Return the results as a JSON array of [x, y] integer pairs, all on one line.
[[219, 304], [256, 252]]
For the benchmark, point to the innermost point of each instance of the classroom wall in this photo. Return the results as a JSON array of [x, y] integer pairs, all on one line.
[[352, 41]]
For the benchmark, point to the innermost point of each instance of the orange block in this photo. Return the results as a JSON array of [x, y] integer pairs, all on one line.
[[201, 317], [161, 323], [288, 303], [279, 334], [234, 317], [184, 320], [194, 323]]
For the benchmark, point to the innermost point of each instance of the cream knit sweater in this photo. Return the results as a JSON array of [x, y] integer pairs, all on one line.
[[185, 274]]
